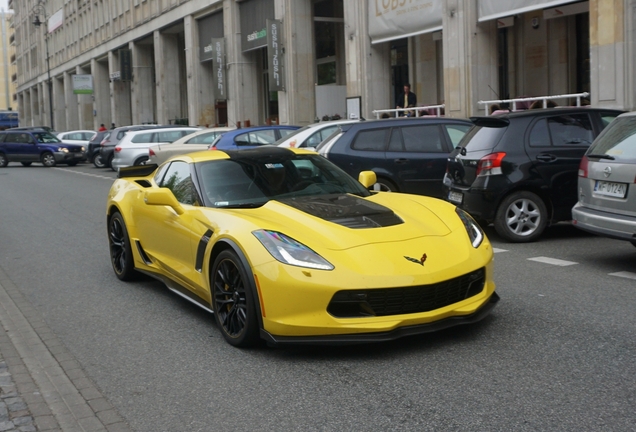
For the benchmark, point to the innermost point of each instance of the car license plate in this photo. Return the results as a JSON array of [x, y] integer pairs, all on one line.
[[455, 197], [617, 190]]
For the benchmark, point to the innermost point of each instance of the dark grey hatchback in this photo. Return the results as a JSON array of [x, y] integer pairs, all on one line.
[[519, 170], [407, 154]]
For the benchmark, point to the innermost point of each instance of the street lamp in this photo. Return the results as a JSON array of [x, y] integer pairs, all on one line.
[[36, 22]]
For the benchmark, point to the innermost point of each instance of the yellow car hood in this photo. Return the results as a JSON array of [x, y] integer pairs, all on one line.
[[347, 221]]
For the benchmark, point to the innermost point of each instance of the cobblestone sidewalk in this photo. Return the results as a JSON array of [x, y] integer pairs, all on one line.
[[14, 412]]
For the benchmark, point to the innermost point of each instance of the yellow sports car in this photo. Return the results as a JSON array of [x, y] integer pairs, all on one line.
[[282, 245]]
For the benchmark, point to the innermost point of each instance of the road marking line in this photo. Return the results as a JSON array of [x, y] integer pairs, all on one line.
[[627, 275], [497, 250], [552, 261], [86, 174]]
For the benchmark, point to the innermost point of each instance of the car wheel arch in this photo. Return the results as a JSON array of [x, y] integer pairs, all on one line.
[[228, 244]]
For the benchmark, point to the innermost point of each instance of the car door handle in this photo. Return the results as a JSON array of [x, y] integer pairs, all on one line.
[[400, 160], [546, 158]]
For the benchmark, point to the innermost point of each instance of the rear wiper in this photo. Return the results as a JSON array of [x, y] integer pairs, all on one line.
[[601, 156]]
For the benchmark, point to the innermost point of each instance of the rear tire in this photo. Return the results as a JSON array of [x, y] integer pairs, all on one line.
[[521, 217], [98, 161], [48, 160], [141, 161]]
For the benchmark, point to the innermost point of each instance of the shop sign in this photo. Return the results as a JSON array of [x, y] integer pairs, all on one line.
[[390, 19], [209, 27], [275, 55], [220, 84], [253, 16], [493, 9]]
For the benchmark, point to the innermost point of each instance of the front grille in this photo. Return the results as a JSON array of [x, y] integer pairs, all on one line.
[[75, 150], [406, 300]]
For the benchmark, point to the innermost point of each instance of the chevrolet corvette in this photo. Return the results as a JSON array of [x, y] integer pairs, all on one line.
[[283, 246]]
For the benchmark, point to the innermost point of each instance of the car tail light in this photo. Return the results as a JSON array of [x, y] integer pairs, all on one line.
[[583, 167], [117, 149], [212, 148], [151, 153], [490, 164]]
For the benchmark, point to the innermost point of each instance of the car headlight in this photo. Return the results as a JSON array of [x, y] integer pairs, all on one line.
[[287, 250], [473, 229], [83, 149], [62, 149]]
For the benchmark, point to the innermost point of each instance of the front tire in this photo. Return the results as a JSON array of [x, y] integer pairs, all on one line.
[[521, 217], [232, 301], [384, 185], [48, 160], [121, 256]]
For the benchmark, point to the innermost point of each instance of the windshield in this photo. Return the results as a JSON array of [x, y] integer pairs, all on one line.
[[45, 137], [618, 140], [292, 134], [251, 182]]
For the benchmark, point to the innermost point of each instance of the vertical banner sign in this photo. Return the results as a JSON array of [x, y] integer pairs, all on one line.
[[220, 87], [275, 55], [125, 64]]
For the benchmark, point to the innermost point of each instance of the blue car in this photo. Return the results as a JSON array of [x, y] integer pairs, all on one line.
[[251, 137], [37, 145]]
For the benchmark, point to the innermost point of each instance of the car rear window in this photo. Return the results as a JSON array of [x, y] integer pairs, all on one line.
[[482, 138], [371, 140], [618, 141]]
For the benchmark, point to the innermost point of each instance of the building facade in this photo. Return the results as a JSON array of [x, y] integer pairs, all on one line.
[[208, 62], [8, 73]]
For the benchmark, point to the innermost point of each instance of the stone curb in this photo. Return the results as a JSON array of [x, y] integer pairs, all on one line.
[[42, 386]]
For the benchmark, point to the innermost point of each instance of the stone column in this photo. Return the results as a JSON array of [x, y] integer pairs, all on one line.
[[101, 89], [120, 94], [297, 105], [610, 85], [143, 85], [368, 66], [470, 58], [72, 114], [167, 67], [242, 71], [85, 105], [192, 68]]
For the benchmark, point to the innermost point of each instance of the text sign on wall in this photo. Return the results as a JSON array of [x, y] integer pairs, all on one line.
[[83, 84], [253, 14], [275, 55], [220, 87], [390, 20]]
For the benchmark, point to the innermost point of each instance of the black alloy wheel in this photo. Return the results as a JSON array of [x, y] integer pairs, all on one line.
[[120, 250], [232, 301], [521, 217]]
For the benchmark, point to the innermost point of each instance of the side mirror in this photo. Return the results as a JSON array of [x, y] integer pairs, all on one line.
[[367, 178], [163, 197]]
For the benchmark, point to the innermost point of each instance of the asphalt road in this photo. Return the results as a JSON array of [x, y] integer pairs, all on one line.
[[558, 353]]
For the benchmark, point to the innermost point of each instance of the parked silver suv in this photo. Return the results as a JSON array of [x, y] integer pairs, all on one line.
[[607, 183]]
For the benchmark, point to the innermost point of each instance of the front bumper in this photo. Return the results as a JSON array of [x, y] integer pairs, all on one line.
[[62, 157], [605, 224], [347, 339]]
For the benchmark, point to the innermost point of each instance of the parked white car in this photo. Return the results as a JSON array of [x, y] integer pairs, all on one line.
[[77, 136], [133, 147], [311, 135], [200, 140]]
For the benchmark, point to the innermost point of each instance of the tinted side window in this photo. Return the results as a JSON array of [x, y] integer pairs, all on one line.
[[12, 137], [207, 138], [178, 180], [317, 137], [262, 137], [422, 139], [575, 129], [142, 138], [539, 134], [371, 140], [170, 136]]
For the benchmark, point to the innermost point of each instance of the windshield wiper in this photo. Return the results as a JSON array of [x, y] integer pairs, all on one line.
[[601, 156]]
